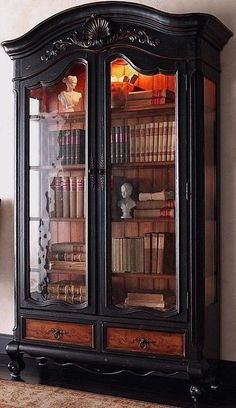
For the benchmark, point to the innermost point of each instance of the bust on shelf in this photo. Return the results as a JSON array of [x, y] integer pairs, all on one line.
[[126, 203], [70, 99]]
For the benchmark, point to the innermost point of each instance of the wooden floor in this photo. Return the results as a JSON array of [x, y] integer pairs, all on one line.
[[152, 389]]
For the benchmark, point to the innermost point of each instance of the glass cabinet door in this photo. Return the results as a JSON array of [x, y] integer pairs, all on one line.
[[57, 178], [143, 188]]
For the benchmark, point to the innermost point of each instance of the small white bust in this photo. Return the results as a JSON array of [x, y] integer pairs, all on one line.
[[126, 203], [70, 99]]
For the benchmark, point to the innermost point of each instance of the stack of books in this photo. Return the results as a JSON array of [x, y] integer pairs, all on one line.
[[67, 291], [153, 300], [156, 204], [67, 256], [150, 97]]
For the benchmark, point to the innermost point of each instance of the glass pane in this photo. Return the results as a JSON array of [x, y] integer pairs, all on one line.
[[210, 190], [143, 202], [58, 224]]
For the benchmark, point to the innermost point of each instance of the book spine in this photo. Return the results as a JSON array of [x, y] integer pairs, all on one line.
[[68, 147], [147, 253], [137, 143], [65, 256], [154, 252], [79, 197], [127, 146], [160, 141], [72, 181], [58, 198], [173, 141], [73, 146], [77, 146], [147, 142], [155, 141], [132, 144], [169, 140], [82, 146], [151, 143], [68, 247], [65, 197], [160, 257], [164, 143], [142, 143]]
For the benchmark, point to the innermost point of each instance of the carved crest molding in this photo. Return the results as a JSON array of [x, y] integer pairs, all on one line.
[[97, 33]]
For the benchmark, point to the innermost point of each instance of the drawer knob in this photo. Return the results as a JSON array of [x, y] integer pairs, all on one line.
[[143, 342], [57, 333]]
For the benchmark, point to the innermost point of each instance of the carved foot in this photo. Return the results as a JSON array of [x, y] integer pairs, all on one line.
[[16, 365]]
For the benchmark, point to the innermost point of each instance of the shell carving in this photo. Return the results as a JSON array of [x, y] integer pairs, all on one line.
[[96, 30], [96, 33]]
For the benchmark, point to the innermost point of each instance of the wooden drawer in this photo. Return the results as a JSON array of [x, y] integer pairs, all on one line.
[[148, 341], [59, 332]]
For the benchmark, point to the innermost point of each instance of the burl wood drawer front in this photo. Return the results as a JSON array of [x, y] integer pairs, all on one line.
[[171, 344], [60, 332]]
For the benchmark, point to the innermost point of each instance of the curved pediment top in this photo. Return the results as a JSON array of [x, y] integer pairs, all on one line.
[[73, 22]]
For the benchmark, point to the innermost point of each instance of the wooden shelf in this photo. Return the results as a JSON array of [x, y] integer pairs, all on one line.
[[58, 116], [67, 219], [59, 167], [147, 219], [142, 275], [77, 271], [144, 164]]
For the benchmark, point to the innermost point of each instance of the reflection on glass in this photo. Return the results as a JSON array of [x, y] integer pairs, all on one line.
[[58, 266], [143, 203]]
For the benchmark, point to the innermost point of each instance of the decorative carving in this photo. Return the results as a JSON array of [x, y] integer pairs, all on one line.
[[96, 34], [143, 342], [57, 333]]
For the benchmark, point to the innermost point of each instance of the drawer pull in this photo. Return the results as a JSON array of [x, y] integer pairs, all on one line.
[[57, 333], [143, 342]]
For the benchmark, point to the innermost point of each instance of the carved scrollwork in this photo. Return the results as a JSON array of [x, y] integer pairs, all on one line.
[[96, 33]]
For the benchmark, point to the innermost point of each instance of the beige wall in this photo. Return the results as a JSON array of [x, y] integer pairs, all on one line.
[[17, 17]]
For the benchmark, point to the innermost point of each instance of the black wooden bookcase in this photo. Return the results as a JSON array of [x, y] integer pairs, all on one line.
[[87, 321]]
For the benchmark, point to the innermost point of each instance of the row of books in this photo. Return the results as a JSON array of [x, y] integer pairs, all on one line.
[[153, 300], [66, 197], [152, 254], [65, 147], [145, 142], [159, 253]]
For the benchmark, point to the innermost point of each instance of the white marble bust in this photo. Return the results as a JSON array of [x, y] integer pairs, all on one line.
[[126, 203], [70, 99]]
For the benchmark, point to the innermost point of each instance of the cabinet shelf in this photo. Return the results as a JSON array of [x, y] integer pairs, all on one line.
[[68, 219], [71, 270], [62, 167], [147, 219], [134, 112], [144, 164], [58, 117], [142, 275]]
